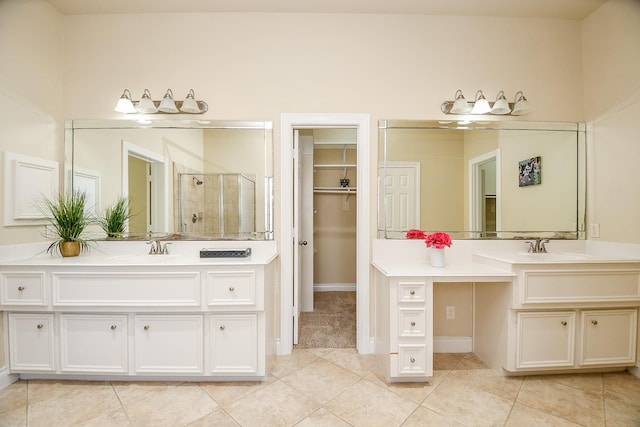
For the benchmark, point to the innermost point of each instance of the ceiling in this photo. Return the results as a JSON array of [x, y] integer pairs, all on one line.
[[562, 9]]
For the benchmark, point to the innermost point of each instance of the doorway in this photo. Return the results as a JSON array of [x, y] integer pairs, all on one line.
[[291, 241], [327, 210], [484, 194]]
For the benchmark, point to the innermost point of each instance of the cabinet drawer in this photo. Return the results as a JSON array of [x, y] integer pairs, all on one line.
[[177, 289], [580, 286], [411, 322], [93, 343], [22, 289], [608, 337], [232, 288], [545, 339], [411, 291], [412, 360], [31, 342]]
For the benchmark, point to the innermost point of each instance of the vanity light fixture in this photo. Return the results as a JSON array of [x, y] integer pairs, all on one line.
[[481, 105], [501, 106], [520, 105], [125, 105], [168, 105], [147, 105]]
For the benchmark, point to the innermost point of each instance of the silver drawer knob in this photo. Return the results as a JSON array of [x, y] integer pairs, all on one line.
[[413, 323], [231, 289], [146, 327], [412, 360], [40, 326], [21, 288], [412, 292], [595, 322], [222, 327], [113, 327], [563, 323]]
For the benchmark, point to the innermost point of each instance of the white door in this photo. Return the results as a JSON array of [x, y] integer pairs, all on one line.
[[401, 193], [306, 216], [297, 243]]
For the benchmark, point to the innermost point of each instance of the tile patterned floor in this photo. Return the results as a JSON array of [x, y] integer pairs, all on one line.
[[334, 387]]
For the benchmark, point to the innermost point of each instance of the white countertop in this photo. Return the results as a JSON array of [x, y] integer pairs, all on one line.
[[451, 272]]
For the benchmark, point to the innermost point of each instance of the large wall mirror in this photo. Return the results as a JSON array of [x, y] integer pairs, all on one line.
[[183, 179], [482, 180]]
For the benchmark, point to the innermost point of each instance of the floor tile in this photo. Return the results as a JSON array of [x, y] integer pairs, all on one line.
[[522, 415], [622, 386], [322, 418], [351, 360], [225, 393], [366, 404], [219, 418], [276, 404], [311, 380], [283, 365], [115, 418], [426, 417], [490, 381], [13, 396]]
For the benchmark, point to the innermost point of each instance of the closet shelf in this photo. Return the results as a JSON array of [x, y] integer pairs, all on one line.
[[336, 166], [334, 190]]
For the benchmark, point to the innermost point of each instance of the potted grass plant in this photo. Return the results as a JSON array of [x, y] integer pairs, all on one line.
[[114, 220], [67, 216]]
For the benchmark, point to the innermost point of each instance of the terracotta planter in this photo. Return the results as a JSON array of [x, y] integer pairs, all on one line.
[[68, 249]]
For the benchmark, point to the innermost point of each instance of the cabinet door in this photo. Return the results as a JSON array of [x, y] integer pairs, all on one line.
[[31, 341], [608, 337], [169, 344], [545, 339], [93, 343], [234, 344]]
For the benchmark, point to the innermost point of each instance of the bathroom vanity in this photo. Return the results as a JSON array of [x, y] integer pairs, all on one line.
[[532, 313], [141, 316]]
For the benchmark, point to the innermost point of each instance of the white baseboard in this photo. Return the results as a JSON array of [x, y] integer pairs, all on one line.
[[452, 344], [331, 287], [6, 378], [635, 371]]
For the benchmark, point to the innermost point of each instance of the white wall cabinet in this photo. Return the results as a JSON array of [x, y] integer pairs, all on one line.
[[214, 322], [404, 327]]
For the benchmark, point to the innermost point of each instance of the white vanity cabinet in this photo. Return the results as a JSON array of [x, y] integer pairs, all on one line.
[[566, 317], [210, 320], [404, 327]]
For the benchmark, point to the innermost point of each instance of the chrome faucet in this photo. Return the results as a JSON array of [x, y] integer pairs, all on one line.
[[539, 246], [157, 248]]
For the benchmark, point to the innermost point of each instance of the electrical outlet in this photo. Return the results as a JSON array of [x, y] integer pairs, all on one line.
[[451, 312], [594, 230]]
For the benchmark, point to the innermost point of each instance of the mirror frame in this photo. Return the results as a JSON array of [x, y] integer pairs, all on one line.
[[464, 123], [141, 123]]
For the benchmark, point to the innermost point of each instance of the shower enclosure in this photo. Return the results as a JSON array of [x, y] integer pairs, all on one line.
[[218, 204]]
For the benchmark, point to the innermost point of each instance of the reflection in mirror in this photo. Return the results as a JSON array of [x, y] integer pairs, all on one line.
[[184, 179], [489, 180]]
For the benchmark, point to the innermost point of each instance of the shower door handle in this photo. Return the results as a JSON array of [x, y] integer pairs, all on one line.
[[302, 243]]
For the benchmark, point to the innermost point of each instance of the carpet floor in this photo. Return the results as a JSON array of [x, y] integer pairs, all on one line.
[[332, 323]]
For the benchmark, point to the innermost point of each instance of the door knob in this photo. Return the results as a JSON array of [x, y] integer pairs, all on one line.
[[302, 243]]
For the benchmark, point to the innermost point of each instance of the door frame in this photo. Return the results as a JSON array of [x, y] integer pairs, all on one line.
[[289, 122], [475, 187]]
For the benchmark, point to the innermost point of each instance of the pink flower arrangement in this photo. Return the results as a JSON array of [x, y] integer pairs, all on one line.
[[438, 240]]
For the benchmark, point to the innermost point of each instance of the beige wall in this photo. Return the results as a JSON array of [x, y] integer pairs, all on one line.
[[611, 45]]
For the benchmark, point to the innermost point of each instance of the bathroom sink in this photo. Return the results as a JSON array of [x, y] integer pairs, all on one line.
[[553, 256], [145, 259]]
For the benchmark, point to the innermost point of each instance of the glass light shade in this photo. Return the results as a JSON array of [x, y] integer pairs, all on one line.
[[521, 107], [481, 106], [190, 105], [460, 105], [501, 106], [146, 105], [124, 104], [168, 105]]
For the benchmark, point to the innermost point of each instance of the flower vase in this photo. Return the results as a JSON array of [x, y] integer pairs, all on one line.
[[437, 257]]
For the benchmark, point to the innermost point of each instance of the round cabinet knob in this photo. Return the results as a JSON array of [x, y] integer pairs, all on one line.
[[21, 288], [563, 323], [595, 322], [412, 360], [303, 243], [40, 326], [413, 323], [412, 292], [146, 327], [222, 327], [113, 327], [231, 289]]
